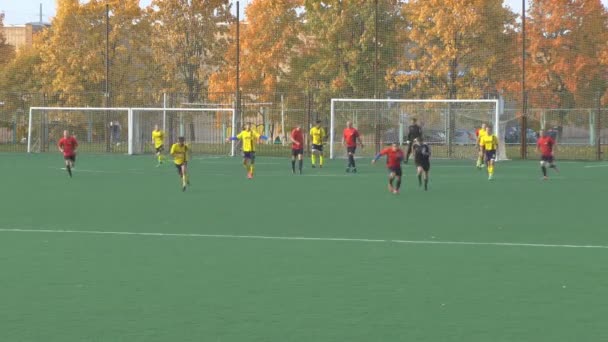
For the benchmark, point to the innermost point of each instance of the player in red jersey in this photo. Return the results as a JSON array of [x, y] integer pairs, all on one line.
[[545, 145], [350, 137], [297, 148], [394, 158], [67, 145]]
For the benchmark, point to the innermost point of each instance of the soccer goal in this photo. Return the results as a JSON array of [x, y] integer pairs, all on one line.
[[448, 125], [205, 129], [97, 129]]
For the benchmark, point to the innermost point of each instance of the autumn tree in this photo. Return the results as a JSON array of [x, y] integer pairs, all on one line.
[[74, 56], [189, 42], [566, 39], [454, 48], [268, 41]]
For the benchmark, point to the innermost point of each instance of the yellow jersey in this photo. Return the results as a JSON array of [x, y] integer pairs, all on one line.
[[318, 135], [489, 142], [158, 137], [480, 134], [179, 153], [249, 139]]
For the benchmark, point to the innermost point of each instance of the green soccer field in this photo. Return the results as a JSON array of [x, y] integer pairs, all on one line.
[[120, 253]]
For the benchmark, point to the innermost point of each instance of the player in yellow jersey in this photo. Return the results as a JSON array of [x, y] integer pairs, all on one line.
[[180, 153], [158, 139], [481, 133], [249, 138], [317, 136], [490, 144]]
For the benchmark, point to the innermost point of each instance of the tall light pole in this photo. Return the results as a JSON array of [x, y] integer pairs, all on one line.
[[524, 99]]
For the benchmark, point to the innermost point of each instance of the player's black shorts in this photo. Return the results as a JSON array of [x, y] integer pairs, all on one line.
[[351, 149], [396, 170], [297, 152], [490, 155], [425, 165], [548, 159], [179, 167], [317, 148], [249, 155], [71, 158], [160, 148]]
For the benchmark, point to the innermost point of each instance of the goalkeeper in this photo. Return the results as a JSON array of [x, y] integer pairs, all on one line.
[[414, 132]]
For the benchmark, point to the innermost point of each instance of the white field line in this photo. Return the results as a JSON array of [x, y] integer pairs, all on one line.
[[591, 166], [300, 238], [99, 171]]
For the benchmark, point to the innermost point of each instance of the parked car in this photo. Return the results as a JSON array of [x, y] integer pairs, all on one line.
[[464, 137], [512, 135]]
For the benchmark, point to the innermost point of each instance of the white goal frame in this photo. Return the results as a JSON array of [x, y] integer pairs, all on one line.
[[129, 111], [495, 124], [165, 110], [71, 109]]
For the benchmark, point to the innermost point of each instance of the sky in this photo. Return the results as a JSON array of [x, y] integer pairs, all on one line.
[[18, 12]]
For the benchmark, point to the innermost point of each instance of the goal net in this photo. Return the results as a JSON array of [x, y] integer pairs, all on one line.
[[205, 129], [97, 129], [448, 125]]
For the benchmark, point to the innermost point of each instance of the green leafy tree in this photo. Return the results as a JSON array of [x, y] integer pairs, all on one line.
[[339, 55], [189, 42]]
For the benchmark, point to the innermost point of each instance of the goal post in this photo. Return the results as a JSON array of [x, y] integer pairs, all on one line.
[[97, 129], [205, 129], [448, 125], [128, 130]]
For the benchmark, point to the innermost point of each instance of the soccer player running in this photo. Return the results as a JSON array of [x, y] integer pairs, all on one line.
[[68, 145], [481, 132], [249, 138], [317, 134], [545, 145], [179, 152], [394, 157], [489, 143], [158, 139], [414, 132], [297, 148], [422, 158], [350, 137]]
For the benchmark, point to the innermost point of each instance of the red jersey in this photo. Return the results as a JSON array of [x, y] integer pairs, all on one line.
[[545, 144], [68, 145], [299, 137], [350, 136], [393, 158]]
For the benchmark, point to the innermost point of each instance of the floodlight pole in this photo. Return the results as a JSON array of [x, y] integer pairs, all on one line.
[[523, 134], [107, 79], [237, 101]]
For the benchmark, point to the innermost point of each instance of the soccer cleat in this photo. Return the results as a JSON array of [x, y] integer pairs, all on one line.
[[354, 170], [313, 166], [396, 191], [320, 166], [490, 177], [183, 187], [348, 169], [544, 178], [250, 175]]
